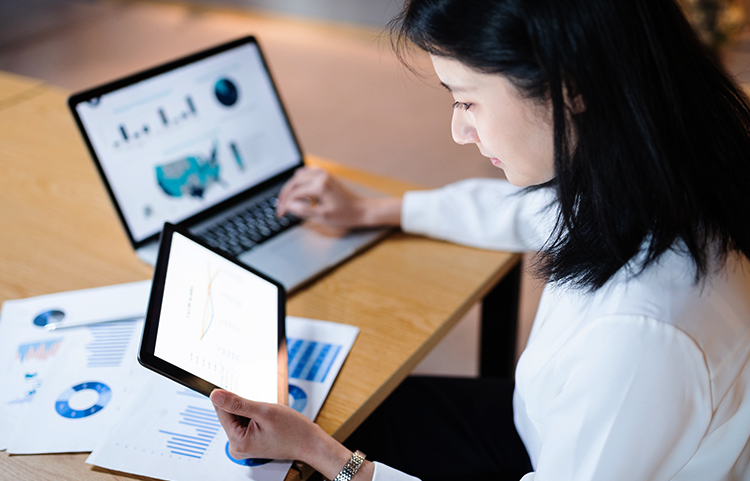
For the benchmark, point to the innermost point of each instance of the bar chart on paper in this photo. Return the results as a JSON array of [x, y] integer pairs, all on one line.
[[311, 360], [39, 350], [178, 435], [195, 428], [108, 343], [191, 429]]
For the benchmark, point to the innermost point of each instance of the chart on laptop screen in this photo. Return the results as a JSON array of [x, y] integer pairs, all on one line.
[[219, 322], [175, 144]]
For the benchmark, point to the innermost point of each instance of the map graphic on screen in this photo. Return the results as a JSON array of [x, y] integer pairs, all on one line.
[[189, 176]]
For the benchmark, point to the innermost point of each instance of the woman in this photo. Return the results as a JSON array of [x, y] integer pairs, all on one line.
[[628, 149]]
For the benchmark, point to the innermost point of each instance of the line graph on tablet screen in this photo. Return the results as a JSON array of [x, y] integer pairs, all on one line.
[[208, 310], [216, 354], [221, 316], [218, 321]]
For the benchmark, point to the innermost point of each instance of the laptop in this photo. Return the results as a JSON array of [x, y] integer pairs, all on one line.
[[204, 142]]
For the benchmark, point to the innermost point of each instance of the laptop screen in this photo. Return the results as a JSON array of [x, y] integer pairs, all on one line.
[[177, 143]]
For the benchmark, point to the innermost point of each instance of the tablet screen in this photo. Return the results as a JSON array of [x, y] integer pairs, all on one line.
[[218, 321]]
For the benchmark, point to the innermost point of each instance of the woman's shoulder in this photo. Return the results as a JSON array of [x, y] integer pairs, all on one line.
[[668, 290], [712, 313]]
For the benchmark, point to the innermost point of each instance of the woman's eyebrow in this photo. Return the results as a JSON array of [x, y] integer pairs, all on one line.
[[453, 89]]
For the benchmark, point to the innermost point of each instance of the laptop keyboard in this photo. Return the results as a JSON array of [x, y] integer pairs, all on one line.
[[249, 227]]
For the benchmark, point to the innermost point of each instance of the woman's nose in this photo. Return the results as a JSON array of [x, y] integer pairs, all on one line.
[[462, 128]]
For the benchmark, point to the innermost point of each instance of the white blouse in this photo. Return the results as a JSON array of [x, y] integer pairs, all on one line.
[[646, 378]]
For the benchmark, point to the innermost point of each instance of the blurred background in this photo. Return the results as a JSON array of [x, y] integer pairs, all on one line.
[[348, 97]]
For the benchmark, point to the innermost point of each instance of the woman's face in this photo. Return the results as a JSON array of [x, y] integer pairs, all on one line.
[[515, 133]]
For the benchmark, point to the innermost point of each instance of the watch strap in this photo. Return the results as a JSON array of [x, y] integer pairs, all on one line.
[[351, 467]]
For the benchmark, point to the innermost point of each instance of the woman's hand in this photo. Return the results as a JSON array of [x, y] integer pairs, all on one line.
[[315, 195], [262, 430], [274, 431]]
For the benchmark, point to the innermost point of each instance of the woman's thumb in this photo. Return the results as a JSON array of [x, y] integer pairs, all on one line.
[[229, 402]]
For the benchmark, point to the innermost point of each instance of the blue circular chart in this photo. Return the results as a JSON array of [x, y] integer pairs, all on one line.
[[46, 317], [63, 408], [246, 462], [298, 401], [297, 398], [226, 92]]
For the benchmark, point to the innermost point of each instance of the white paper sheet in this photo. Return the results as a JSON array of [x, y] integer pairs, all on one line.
[[170, 432], [61, 389]]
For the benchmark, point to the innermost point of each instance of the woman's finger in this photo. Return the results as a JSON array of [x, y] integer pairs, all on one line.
[[303, 208], [310, 192], [233, 403], [229, 421], [301, 176], [236, 417]]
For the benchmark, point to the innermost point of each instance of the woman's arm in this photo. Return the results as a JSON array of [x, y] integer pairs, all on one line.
[[486, 213]]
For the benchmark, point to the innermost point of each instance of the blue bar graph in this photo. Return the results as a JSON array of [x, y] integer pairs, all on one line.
[[109, 344], [311, 360], [40, 350], [200, 428]]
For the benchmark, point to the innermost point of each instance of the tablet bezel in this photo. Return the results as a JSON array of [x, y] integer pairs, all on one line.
[[149, 360]]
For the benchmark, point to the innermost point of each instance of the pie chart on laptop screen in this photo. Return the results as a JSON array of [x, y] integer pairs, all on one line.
[[226, 92]]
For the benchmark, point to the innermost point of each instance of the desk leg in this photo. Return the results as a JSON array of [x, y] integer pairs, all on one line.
[[497, 350]]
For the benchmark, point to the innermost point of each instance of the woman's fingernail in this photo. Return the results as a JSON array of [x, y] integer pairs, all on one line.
[[217, 397]]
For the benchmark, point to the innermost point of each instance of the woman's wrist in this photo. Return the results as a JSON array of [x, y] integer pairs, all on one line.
[[379, 212], [324, 454], [337, 461], [328, 457]]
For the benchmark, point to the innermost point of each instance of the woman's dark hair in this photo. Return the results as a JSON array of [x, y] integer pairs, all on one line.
[[661, 157]]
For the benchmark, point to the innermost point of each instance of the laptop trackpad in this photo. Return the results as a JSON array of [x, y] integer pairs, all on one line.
[[298, 255]]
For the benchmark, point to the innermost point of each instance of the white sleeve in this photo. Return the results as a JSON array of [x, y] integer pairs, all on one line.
[[386, 473], [635, 404], [485, 213]]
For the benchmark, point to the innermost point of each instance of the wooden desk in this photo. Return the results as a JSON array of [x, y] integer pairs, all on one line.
[[59, 232], [15, 89]]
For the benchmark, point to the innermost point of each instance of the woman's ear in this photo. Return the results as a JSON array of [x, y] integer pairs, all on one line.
[[573, 98], [576, 104]]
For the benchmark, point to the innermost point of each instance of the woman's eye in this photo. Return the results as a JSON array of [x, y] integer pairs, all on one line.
[[462, 105]]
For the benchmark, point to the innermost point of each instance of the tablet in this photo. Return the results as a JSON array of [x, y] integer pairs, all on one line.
[[214, 323]]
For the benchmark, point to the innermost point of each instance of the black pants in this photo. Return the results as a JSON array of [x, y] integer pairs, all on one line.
[[446, 429]]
